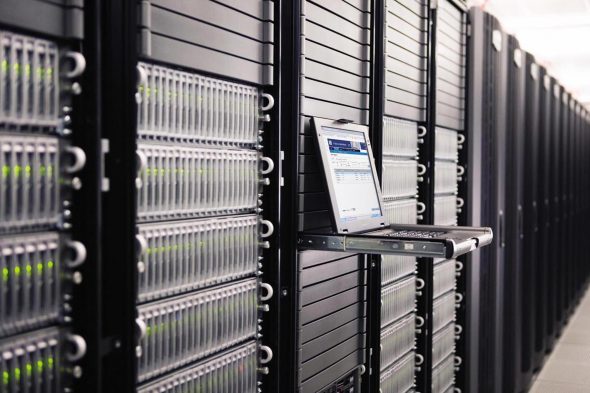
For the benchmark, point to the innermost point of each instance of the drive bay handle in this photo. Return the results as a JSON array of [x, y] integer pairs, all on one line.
[[270, 165], [419, 321], [79, 345], [421, 208], [269, 291], [270, 102], [79, 64], [419, 359], [79, 159], [79, 251], [270, 228], [141, 244], [141, 328], [268, 354]]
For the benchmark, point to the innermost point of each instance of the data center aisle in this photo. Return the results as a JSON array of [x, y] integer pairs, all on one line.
[[568, 366]]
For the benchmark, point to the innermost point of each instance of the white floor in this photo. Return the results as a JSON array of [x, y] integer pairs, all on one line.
[[568, 368]]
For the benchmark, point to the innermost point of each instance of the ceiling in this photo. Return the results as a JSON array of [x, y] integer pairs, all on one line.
[[556, 32]]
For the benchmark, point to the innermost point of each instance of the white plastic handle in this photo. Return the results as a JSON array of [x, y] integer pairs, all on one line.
[[460, 202], [457, 390], [419, 322], [270, 228], [269, 291], [141, 328], [270, 104], [458, 266], [419, 359], [141, 244], [79, 64], [458, 329], [79, 159], [141, 76], [420, 283], [458, 361], [80, 253], [460, 170], [141, 160], [422, 131], [460, 139], [458, 298], [268, 352], [421, 169], [79, 345], [270, 165], [421, 208]]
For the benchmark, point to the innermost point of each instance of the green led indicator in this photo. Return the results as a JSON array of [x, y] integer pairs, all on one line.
[[5, 170], [27, 69], [17, 374], [28, 170], [39, 268], [50, 362], [29, 368], [40, 366], [50, 264], [16, 68], [49, 72], [29, 269], [42, 170], [4, 65], [17, 170], [17, 270], [5, 377], [5, 274]]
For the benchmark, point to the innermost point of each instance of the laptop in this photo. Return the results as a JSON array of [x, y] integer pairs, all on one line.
[[358, 222]]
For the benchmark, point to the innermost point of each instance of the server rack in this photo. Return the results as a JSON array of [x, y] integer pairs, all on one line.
[[328, 74], [513, 270], [448, 137], [400, 114], [553, 309], [531, 259], [200, 116], [486, 133], [42, 254]]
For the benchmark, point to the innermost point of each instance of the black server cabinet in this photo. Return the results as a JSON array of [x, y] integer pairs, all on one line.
[[514, 213], [326, 72], [204, 96], [486, 133], [532, 275], [44, 248], [447, 137], [399, 110], [544, 341], [554, 314]]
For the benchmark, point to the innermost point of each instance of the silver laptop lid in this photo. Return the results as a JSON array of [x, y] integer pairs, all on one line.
[[351, 179]]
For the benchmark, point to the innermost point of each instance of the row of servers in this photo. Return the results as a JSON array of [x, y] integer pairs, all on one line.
[[41, 70], [529, 134], [158, 165]]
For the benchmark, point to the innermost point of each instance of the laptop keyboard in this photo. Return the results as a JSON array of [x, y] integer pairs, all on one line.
[[416, 234]]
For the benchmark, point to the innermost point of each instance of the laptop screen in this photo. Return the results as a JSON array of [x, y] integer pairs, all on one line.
[[350, 176]]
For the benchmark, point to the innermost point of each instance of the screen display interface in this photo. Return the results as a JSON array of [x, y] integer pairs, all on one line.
[[349, 169]]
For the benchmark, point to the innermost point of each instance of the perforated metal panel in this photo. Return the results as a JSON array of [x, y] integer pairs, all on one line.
[[451, 65], [187, 328], [231, 371], [228, 38], [406, 51]]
